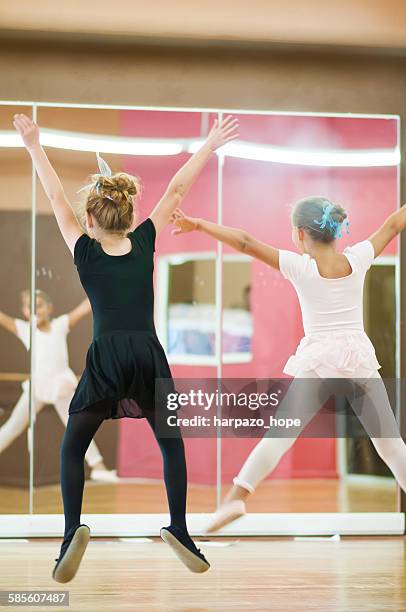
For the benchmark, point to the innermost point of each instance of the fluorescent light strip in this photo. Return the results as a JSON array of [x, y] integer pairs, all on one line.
[[308, 157], [112, 144], [103, 144], [72, 141]]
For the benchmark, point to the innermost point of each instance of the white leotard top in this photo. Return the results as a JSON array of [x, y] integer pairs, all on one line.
[[329, 304]]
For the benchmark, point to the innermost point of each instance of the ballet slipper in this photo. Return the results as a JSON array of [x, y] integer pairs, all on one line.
[[71, 555], [185, 549], [227, 513], [104, 475]]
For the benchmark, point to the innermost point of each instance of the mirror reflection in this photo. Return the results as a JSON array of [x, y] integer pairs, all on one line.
[[190, 308], [15, 241], [251, 185], [283, 159]]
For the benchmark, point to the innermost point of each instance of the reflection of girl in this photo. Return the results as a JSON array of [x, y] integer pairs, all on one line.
[[329, 285], [55, 383], [125, 357]]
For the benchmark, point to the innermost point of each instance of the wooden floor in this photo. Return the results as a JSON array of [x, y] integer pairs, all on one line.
[[353, 575], [307, 495]]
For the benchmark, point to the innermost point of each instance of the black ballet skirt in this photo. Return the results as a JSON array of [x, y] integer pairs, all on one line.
[[126, 367]]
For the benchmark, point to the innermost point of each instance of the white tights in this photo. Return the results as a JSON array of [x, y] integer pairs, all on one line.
[[19, 420], [303, 401]]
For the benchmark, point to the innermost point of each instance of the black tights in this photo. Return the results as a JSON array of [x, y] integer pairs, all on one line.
[[80, 429]]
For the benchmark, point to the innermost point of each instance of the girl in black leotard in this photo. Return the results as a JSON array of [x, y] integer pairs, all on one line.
[[115, 268]]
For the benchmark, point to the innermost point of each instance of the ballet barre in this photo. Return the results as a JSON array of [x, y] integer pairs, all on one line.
[[13, 376]]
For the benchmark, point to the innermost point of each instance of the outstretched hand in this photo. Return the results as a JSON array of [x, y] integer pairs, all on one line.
[[223, 132], [28, 130], [183, 223]]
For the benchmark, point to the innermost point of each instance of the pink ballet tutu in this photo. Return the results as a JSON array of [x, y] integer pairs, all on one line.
[[342, 353]]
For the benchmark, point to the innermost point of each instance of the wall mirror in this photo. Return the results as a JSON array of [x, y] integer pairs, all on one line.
[[244, 327]]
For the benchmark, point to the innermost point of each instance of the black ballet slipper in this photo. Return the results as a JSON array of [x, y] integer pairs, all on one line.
[[185, 549], [72, 551]]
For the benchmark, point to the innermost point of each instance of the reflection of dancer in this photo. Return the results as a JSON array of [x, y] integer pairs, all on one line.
[[55, 382], [330, 288], [125, 357]]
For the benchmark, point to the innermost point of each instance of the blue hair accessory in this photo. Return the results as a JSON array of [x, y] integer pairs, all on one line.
[[327, 221]]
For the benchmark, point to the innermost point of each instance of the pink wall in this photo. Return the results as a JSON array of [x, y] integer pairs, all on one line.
[[257, 196]]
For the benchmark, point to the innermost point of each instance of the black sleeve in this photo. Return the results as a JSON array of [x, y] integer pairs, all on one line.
[[145, 235], [80, 249]]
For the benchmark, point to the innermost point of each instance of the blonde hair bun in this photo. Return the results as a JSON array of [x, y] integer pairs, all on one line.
[[110, 200]]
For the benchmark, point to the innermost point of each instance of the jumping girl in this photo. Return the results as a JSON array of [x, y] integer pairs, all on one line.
[[329, 285], [55, 382], [115, 266]]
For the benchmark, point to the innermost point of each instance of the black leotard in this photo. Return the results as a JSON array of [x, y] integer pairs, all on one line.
[[125, 357]]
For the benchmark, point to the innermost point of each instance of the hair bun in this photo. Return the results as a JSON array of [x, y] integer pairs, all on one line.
[[110, 200], [319, 217], [124, 183], [120, 183], [338, 213]]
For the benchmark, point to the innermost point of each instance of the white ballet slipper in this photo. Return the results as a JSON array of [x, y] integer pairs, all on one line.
[[227, 513], [104, 475]]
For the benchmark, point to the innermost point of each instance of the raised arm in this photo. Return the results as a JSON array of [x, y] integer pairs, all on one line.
[[235, 238], [64, 214], [180, 184], [8, 323], [79, 312], [394, 224]]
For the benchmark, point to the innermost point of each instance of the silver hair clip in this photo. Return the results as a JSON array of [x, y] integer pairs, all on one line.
[[103, 166], [105, 170]]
